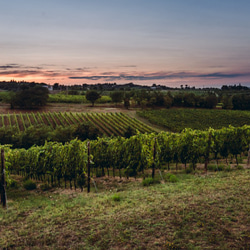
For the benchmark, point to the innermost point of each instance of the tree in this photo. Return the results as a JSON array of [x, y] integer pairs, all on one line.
[[85, 131], [168, 100], [116, 96], [129, 132], [30, 97], [92, 96], [126, 99], [178, 100], [157, 99], [241, 102], [227, 102], [211, 101], [189, 100]]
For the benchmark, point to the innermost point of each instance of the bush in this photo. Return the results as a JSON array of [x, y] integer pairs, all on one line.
[[129, 132], [13, 184], [116, 197], [189, 170], [227, 168], [173, 178], [30, 97], [221, 167], [212, 167], [239, 167], [44, 187], [148, 181], [86, 131], [29, 185]]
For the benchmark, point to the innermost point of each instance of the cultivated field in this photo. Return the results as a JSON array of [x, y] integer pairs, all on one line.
[[178, 119], [108, 123], [189, 204]]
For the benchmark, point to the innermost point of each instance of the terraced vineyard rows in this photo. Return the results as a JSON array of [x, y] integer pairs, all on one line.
[[108, 123]]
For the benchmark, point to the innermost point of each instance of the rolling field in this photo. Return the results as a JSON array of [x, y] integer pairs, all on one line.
[[108, 123], [178, 119]]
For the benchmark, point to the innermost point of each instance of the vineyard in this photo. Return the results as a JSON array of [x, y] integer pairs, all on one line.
[[107, 123], [178, 119], [128, 157]]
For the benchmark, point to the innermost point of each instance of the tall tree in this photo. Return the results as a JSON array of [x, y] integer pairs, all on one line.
[[92, 96], [30, 97]]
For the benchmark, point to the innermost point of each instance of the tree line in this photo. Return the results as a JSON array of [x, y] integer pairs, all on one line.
[[32, 95]]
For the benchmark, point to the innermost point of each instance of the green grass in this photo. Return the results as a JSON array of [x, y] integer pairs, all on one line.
[[178, 119], [197, 212]]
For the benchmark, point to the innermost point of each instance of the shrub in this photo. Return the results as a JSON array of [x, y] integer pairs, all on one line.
[[13, 184], [240, 160], [30, 97], [173, 178], [189, 170], [44, 187], [167, 176], [221, 167], [227, 168], [116, 197], [239, 167], [148, 181], [211, 167], [29, 185]]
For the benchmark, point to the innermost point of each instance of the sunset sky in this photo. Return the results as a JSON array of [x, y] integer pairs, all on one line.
[[201, 43]]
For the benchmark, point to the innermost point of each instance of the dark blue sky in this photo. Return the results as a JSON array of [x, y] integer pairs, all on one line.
[[194, 42]]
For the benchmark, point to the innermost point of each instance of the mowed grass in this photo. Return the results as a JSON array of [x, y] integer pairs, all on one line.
[[178, 119], [197, 212]]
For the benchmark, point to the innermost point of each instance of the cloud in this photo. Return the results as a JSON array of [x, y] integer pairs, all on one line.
[[85, 73], [29, 73], [17, 66], [9, 66], [162, 75], [24, 71], [127, 66]]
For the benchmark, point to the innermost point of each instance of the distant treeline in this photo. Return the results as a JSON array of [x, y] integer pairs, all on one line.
[[228, 97], [16, 85]]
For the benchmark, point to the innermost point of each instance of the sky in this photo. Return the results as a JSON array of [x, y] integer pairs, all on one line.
[[201, 43]]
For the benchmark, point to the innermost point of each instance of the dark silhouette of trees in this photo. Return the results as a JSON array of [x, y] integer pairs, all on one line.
[[30, 97], [241, 102], [189, 100], [86, 131], [116, 96], [92, 96], [211, 101]]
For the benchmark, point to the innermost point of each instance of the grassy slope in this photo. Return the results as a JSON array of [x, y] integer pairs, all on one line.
[[178, 119], [198, 212]]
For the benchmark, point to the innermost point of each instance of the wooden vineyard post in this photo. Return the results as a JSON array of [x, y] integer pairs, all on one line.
[[154, 154], [88, 181], [248, 157], [3, 183]]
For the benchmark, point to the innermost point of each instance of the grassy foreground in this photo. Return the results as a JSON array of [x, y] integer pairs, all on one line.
[[197, 212]]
